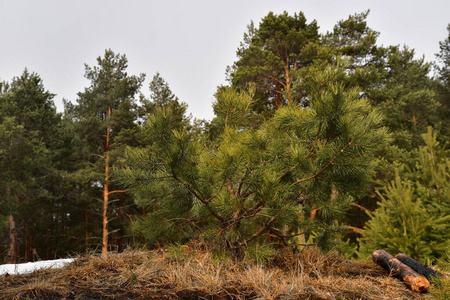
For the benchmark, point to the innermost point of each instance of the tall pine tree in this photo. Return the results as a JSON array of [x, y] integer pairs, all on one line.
[[105, 115], [30, 142], [271, 54]]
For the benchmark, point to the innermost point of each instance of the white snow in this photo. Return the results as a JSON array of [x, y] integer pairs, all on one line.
[[13, 269]]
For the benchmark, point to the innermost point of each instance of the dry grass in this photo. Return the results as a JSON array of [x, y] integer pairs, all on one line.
[[189, 273]]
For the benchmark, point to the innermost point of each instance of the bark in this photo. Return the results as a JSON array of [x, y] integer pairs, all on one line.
[[13, 249], [105, 209], [119, 239], [397, 269], [28, 255], [417, 266], [86, 231], [50, 235], [288, 83], [106, 190]]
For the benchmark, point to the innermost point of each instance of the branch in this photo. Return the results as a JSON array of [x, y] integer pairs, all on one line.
[[356, 229], [117, 191], [278, 235], [333, 159], [361, 208], [216, 215], [264, 228]]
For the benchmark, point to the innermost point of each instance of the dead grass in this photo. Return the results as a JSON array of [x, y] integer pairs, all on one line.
[[197, 274]]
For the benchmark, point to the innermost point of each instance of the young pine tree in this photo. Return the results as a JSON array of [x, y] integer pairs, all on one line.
[[257, 188], [414, 211]]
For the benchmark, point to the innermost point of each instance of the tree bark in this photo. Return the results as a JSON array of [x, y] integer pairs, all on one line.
[[106, 190], [417, 266], [119, 239], [105, 219], [13, 250], [288, 82], [28, 255], [86, 230], [397, 269]]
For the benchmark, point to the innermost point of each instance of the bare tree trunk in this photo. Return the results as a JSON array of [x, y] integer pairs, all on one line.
[[119, 239], [288, 83], [105, 219], [106, 190], [13, 250], [86, 231], [50, 235], [28, 256]]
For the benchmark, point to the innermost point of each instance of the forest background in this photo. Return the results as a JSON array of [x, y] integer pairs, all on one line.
[[318, 139]]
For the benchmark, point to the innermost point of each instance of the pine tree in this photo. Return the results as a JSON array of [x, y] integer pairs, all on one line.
[[270, 55], [105, 117], [443, 83], [257, 185], [163, 114], [414, 210], [30, 160]]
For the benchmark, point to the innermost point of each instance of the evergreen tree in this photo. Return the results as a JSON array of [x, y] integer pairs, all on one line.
[[406, 97], [414, 211], [443, 83], [20, 151], [270, 55], [161, 97], [31, 139], [257, 185], [163, 114], [353, 39], [105, 117]]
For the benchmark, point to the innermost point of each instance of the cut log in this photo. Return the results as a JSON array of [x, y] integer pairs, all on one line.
[[397, 269], [417, 266]]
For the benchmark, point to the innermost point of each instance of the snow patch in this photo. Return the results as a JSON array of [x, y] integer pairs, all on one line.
[[14, 269]]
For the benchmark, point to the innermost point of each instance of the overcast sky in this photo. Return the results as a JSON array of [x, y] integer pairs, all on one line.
[[189, 42]]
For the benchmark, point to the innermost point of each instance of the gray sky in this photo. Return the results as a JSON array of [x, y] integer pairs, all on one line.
[[189, 42]]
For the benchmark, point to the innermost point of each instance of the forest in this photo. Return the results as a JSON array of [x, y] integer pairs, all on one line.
[[319, 139]]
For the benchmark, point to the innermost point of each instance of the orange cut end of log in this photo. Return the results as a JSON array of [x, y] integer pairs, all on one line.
[[417, 284]]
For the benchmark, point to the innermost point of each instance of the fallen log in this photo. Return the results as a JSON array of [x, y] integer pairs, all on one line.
[[417, 266], [397, 269]]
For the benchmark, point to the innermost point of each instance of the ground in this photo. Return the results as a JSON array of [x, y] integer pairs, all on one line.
[[196, 273]]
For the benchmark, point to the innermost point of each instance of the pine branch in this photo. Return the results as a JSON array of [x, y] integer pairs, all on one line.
[[117, 191], [202, 200], [334, 158], [263, 228], [362, 208]]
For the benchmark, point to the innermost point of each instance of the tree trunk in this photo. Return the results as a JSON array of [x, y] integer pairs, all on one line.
[[28, 256], [417, 266], [86, 231], [50, 234], [105, 207], [288, 82], [13, 249], [105, 220], [119, 239], [397, 269], [106, 189]]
